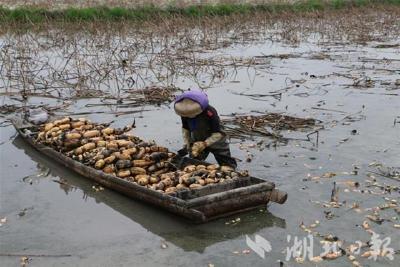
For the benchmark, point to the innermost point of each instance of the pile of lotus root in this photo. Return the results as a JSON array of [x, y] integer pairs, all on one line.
[[119, 153]]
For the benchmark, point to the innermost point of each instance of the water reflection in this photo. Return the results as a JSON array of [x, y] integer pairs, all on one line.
[[173, 229]]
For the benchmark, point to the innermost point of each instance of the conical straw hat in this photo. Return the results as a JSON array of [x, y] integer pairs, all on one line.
[[188, 108]]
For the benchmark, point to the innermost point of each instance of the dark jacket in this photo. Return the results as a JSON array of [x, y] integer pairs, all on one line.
[[203, 125]]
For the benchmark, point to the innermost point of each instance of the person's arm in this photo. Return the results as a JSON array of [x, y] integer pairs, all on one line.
[[215, 123], [216, 133], [215, 137], [185, 133]]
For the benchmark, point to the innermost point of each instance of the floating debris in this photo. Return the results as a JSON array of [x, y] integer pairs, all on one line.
[[335, 193], [233, 222], [366, 225], [276, 121], [315, 224], [388, 172], [329, 215], [333, 255], [23, 211], [330, 238], [328, 175], [24, 261], [349, 183], [3, 221], [7, 109], [316, 259], [246, 251], [387, 46], [375, 218], [239, 126], [97, 188], [364, 82], [154, 94]]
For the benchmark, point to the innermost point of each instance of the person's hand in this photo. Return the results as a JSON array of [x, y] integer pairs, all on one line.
[[186, 147], [198, 147]]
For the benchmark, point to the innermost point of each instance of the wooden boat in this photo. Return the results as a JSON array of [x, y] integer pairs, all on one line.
[[200, 205], [149, 217]]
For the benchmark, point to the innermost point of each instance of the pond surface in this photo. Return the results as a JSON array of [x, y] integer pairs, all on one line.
[[353, 88]]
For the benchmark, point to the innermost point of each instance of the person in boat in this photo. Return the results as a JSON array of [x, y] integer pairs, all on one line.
[[201, 128]]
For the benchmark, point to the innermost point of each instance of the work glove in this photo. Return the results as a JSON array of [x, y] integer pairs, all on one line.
[[198, 147], [214, 137]]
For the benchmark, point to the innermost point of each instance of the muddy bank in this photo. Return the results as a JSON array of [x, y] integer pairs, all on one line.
[[113, 3], [31, 16]]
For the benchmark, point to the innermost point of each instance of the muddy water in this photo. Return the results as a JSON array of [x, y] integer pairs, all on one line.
[[72, 224]]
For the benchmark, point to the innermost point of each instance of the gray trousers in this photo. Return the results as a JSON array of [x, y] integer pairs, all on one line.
[[221, 152]]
